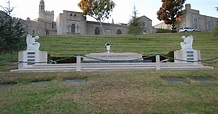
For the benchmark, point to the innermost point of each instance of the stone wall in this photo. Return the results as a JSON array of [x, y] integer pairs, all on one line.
[[108, 27]]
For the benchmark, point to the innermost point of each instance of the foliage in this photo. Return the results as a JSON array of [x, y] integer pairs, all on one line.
[[135, 27], [135, 12], [161, 30], [11, 33], [98, 9], [170, 11], [63, 59]]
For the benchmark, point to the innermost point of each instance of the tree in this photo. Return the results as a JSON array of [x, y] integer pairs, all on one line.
[[11, 32], [98, 9], [170, 11], [135, 27], [135, 13]]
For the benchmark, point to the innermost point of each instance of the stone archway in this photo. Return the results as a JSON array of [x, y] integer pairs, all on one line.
[[119, 31], [97, 31]]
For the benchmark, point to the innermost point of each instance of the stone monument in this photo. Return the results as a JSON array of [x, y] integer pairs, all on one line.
[[187, 43], [108, 56], [187, 53], [108, 47], [32, 55], [31, 42]]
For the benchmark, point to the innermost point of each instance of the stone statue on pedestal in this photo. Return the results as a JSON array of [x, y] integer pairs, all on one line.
[[107, 45], [187, 43], [31, 42]]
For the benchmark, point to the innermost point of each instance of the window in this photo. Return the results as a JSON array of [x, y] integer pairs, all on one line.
[[119, 31], [97, 31], [209, 26], [195, 23], [52, 24]]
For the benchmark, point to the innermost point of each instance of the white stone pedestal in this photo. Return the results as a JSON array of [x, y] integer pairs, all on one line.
[[31, 57], [186, 56], [112, 56]]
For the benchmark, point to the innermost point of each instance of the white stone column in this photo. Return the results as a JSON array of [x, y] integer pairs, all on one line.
[[78, 63], [157, 62]]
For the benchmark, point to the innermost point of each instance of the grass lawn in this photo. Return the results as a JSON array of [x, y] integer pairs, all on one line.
[[110, 92], [134, 91], [67, 46]]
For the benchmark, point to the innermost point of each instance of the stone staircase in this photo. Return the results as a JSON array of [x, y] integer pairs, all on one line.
[[110, 67]]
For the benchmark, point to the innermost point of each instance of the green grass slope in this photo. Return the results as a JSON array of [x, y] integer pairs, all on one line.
[[70, 45]]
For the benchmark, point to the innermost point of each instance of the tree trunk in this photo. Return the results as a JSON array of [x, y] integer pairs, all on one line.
[[173, 28], [102, 27]]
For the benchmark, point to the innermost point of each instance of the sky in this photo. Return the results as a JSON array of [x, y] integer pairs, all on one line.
[[121, 13]]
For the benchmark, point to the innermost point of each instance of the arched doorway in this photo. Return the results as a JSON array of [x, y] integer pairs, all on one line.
[[97, 31], [119, 31], [73, 28]]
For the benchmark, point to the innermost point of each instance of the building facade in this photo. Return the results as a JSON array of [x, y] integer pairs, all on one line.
[[71, 22], [192, 18]]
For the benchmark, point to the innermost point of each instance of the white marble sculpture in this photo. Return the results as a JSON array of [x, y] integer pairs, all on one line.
[[31, 42], [108, 46], [187, 43]]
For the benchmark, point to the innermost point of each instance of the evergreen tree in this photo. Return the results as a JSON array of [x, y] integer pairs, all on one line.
[[135, 13], [170, 11], [11, 32], [135, 26]]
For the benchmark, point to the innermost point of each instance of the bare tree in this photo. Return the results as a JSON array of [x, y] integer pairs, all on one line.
[[8, 9]]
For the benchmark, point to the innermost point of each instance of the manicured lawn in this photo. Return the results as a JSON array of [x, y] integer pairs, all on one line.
[[111, 92], [134, 91]]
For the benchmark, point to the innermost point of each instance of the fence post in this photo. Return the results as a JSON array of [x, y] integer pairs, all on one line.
[[157, 62], [78, 63]]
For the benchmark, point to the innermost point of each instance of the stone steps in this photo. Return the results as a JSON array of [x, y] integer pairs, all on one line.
[[110, 67]]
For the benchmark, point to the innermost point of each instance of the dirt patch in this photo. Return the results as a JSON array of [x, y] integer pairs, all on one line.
[[173, 79]]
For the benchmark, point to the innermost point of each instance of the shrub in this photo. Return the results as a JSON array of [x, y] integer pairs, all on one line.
[[161, 30], [63, 59]]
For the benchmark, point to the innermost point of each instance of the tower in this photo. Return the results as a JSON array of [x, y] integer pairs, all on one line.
[[42, 9], [43, 14]]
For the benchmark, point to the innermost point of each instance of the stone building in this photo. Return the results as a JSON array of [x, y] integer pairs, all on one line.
[[147, 25], [44, 24], [71, 22], [192, 18]]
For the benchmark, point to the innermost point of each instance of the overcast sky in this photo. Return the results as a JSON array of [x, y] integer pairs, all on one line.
[[121, 13]]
